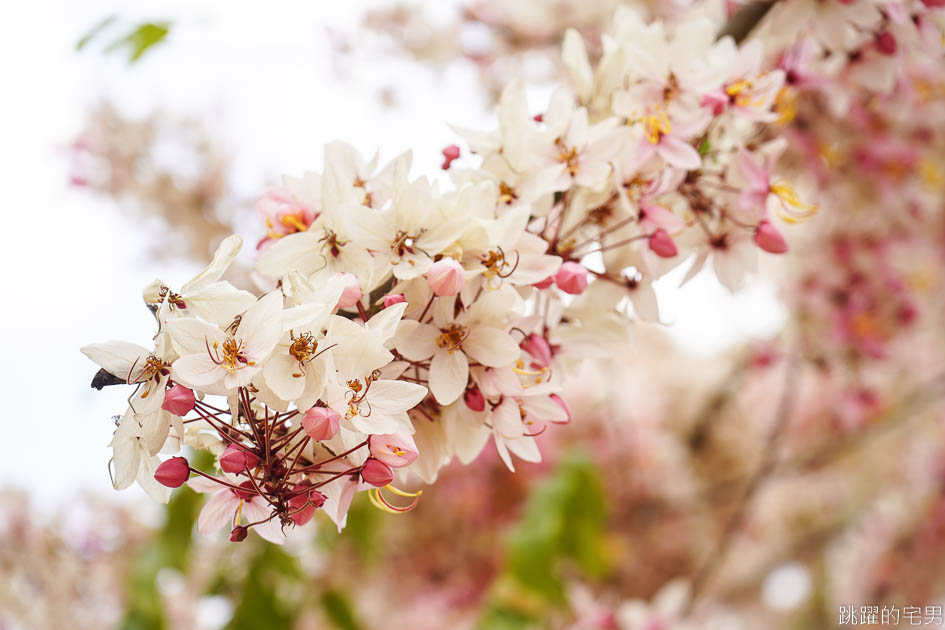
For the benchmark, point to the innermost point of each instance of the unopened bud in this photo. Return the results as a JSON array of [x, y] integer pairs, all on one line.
[[376, 473], [886, 43], [571, 278], [662, 244], [321, 423], [393, 298], [236, 459], [450, 153], [544, 284], [769, 239], [173, 472], [446, 277], [474, 399], [239, 534], [179, 400]]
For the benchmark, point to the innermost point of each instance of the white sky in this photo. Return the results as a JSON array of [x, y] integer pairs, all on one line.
[[74, 265]]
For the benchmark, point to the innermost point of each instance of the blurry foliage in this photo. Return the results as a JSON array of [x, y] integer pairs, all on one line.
[[136, 42], [562, 530]]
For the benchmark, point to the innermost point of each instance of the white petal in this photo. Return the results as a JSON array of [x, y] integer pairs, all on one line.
[[491, 346], [449, 372], [117, 357], [224, 255]]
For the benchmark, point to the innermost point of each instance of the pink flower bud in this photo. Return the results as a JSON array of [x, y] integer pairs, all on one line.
[[571, 278], [393, 298], [321, 423], [544, 284], [538, 347], [173, 472], [474, 399], [179, 400], [352, 293], [304, 504], [236, 459], [376, 473], [396, 450], [239, 534], [446, 277], [769, 239], [450, 153], [662, 244], [561, 403], [886, 43]]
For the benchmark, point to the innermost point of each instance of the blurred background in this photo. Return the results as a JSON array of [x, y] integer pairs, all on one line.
[[777, 452]]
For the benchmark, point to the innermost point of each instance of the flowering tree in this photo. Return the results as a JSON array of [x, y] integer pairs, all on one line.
[[397, 324]]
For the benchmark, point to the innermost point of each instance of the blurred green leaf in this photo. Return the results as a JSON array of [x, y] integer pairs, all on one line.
[[261, 602], [338, 608], [563, 526], [703, 146], [141, 39]]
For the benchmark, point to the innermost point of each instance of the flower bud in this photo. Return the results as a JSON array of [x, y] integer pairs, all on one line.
[[561, 403], [446, 277], [352, 293], [179, 400], [571, 278], [769, 239], [396, 449], [538, 347], [544, 284], [393, 298], [662, 244], [303, 505], [376, 473], [450, 153], [474, 399], [239, 533], [886, 43], [236, 459], [321, 423], [173, 472]]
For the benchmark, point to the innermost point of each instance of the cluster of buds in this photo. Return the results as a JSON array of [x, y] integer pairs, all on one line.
[[399, 325]]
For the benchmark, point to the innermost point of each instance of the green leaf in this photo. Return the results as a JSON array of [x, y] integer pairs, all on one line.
[[703, 146], [564, 523], [338, 608], [141, 39]]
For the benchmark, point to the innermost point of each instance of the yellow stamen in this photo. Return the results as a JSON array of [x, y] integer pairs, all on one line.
[[792, 209]]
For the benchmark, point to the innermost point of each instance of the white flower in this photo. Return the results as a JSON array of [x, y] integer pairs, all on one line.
[[218, 361], [205, 295], [452, 341]]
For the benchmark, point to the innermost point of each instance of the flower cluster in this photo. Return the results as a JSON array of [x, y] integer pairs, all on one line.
[[402, 324]]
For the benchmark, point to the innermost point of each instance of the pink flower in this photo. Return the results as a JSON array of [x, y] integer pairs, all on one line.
[[179, 400], [571, 278], [283, 214], [227, 506], [376, 473], [396, 450], [321, 423], [173, 472], [446, 277]]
